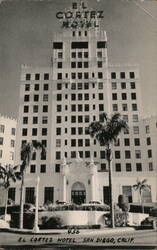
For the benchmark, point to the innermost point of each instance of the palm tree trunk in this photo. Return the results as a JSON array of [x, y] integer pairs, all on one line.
[[21, 201], [6, 204], [110, 188]]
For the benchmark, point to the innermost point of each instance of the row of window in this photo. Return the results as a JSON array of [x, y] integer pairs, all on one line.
[[42, 168], [80, 75], [122, 75], [36, 98], [79, 97], [124, 107], [2, 129], [37, 87], [35, 108], [123, 85], [44, 131], [123, 96], [78, 86], [37, 76], [12, 142], [44, 120], [87, 154]]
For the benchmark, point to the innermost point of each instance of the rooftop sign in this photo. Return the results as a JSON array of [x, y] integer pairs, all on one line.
[[79, 16]]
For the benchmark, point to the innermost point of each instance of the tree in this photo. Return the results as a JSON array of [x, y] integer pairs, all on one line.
[[106, 132], [8, 174], [27, 151], [140, 186]]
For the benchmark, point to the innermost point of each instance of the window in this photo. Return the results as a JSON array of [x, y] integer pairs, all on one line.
[[138, 167], [101, 107], [100, 75], [86, 65], [59, 65], [32, 168], [34, 131], [86, 97], [123, 85], [58, 131], [27, 87], [44, 131], [46, 86], [37, 77], [11, 193], [73, 85], [114, 85], [147, 129], [101, 96], [114, 96], [137, 141], [126, 141], [26, 98], [133, 96], [42, 168], [122, 75], [132, 75], [134, 107], [1, 140], [45, 108], [73, 97], [73, 154], [103, 167], [135, 118], [99, 64], [13, 130], [73, 119], [79, 64], [25, 120], [101, 45], [86, 118], [58, 155], [28, 77], [59, 76], [73, 108], [1, 153], [87, 154], [87, 142], [35, 109], [44, 119], [44, 143], [48, 194], [118, 167], [58, 119], [73, 143], [125, 118], [79, 45], [57, 45], [85, 54], [138, 154], [73, 65], [2, 127], [73, 54], [115, 107], [124, 107], [45, 97], [117, 154], [36, 87], [148, 141], [113, 75], [24, 132], [128, 167], [99, 54], [12, 143], [59, 97], [73, 75], [132, 85], [46, 76], [124, 96], [102, 154], [57, 168], [86, 107], [73, 131], [150, 164], [135, 129], [35, 120], [36, 98], [149, 153], [58, 143], [80, 118], [86, 75], [80, 130], [127, 154]]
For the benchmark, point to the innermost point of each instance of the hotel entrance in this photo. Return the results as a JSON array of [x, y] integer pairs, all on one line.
[[78, 193]]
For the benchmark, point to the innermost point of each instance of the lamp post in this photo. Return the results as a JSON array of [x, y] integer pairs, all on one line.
[[36, 228]]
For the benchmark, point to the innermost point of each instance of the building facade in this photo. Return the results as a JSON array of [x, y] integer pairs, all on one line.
[[58, 103]]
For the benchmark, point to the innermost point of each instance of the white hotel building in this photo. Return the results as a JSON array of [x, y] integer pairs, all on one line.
[[58, 103]]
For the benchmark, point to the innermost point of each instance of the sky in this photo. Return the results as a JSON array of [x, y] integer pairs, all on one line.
[[26, 35]]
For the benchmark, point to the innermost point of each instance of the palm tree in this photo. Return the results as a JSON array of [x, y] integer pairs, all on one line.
[[27, 151], [106, 132], [8, 174], [140, 186]]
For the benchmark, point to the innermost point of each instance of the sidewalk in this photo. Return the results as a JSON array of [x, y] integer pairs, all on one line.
[[65, 231]]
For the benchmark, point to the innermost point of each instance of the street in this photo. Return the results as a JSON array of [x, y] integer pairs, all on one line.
[[97, 239]]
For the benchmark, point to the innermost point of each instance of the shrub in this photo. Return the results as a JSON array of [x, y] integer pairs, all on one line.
[[51, 222], [122, 203], [120, 219]]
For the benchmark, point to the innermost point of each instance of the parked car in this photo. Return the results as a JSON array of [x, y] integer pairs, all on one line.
[[149, 223]]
